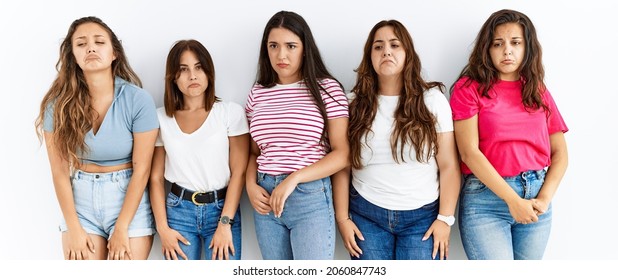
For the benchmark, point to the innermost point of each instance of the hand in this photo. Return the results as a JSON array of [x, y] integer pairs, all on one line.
[[118, 247], [281, 193], [169, 244], [540, 206], [441, 234], [222, 243], [259, 198], [522, 211], [79, 245], [348, 231]]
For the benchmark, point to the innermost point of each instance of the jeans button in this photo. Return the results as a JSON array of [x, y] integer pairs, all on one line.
[[96, 176]]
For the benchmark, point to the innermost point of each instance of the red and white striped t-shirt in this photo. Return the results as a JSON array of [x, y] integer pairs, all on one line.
[[287, 126]]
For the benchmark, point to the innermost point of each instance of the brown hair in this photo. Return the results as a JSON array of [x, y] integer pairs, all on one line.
[[173, 98], [414, 124], [480, 67], [69, 98]]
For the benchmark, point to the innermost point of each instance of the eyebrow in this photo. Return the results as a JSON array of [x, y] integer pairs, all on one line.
[[84, 37], [382, 41], [501, 39], [289, 43]]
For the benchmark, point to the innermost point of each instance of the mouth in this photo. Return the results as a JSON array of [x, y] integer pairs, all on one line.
[[508, 61], [194, 85], [282, 65], [91, 57]]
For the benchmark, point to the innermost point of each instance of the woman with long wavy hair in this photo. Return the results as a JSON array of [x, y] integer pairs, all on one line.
[[100, 129], [404, 174]]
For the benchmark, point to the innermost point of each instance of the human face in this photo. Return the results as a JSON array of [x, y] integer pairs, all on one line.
[[191, 78], [387, 53], [92, 48], [285, 51], [507, 50]]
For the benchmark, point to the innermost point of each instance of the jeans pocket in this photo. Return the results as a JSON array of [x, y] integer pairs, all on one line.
[[311, 187], [473, 185], [172, 200]]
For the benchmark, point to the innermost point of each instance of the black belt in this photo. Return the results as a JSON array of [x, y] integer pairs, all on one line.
[[198, 198]]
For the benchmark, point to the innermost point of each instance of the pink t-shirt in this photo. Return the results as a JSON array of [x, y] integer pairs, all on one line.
[[513, 140], [287, 125]]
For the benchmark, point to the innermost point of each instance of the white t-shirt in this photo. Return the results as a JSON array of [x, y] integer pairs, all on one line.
[[200, 161], [406, 185]]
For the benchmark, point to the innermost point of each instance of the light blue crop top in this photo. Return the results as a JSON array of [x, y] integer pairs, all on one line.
[[132, 110]]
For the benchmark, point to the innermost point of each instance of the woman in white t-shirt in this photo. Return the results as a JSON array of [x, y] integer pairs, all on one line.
[[404, 169], [202, 150]]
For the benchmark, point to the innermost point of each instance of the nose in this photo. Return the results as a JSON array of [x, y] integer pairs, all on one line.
[[90, 48], [192, 75]]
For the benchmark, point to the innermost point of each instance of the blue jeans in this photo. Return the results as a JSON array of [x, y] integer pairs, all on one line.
[[489, 232], [392, 234], [197, 223], [306, 228]]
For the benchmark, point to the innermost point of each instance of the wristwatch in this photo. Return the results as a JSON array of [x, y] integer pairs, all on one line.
[[449, 220], [226, 220]]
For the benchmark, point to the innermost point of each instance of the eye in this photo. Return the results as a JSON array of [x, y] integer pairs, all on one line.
[[272, 46], [198, 67], [291, 46], [100, 42], [184, 69], [377, 47], [498, 44], [394, 46], [517, 43]]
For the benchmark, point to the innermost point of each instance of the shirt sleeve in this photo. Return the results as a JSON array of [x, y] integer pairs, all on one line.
[[439, 107], [48, 117], [144, 112], [555, 122], [464, 100], [249, 106], [236, 120], [335, 101]]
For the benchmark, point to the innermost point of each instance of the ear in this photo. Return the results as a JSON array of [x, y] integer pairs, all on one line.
[[114, 56]]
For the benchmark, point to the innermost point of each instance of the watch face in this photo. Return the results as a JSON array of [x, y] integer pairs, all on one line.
[[225, 220]]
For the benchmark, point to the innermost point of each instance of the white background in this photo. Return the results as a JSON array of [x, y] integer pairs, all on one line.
[[579, 45]]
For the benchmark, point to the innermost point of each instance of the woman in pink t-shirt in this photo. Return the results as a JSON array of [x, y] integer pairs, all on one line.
[[510, 137]]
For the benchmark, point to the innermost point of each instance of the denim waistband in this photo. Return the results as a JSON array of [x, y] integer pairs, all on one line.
[[279, 177], [525, 174], [114, 175]]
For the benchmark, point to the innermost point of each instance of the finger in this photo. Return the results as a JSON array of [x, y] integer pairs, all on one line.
[[90, 244], [358, 234], [226, 253], [233, 250], [129, 254], [355, 248], [436, 247], [181, 253], [427, 235]]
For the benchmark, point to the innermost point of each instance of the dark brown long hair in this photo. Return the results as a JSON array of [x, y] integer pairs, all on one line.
[[481, 69], [173, 98], [312, 69], [413, 124], [69, 98]]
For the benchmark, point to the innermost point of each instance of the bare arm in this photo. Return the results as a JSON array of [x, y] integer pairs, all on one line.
[[143, 149], [341, 198], [331, 163], [239, 156], [169, 237], [450, 184], [258, 196], [79, 243], [467, 137], [559, 162]]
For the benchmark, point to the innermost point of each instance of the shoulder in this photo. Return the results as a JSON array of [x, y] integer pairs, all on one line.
[[227, 108], [329, 83], [129, 91]]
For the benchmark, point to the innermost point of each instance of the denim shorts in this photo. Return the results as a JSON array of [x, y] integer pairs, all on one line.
[[489, 232], [98, 199]]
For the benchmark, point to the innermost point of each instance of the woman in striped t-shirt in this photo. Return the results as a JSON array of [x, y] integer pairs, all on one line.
[[298, 118]]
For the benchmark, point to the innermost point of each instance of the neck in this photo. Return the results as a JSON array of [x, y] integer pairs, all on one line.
[[100, 84], [194, 103], [390, 85]]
